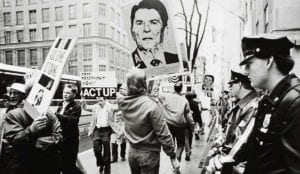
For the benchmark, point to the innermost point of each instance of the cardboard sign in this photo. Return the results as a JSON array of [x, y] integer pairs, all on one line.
[[100, 84], [44, 88], [152, 41], [165, 83]]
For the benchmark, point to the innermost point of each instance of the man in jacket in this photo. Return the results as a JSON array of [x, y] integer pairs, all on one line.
[[30, 146], [68, 114], [179, 119], [239, 116], [145, 127], [274, 145]]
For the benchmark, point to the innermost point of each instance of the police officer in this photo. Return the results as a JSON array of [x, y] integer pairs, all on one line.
[[239, 116], [274, 144]]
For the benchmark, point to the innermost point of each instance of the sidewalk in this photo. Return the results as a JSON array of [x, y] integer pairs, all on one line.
[[88, 160]]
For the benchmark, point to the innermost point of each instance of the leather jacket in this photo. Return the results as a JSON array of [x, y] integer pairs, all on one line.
[[274, 144]]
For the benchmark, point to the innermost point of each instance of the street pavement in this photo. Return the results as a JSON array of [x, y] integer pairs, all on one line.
[[88, 160]]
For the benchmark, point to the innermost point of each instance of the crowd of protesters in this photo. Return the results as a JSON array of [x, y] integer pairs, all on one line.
[[258, 120]]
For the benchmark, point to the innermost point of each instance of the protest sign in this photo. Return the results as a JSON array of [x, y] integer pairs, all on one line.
[[100, 84], [44, 88]]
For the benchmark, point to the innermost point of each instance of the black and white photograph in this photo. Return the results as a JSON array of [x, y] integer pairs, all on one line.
[[149, 86]]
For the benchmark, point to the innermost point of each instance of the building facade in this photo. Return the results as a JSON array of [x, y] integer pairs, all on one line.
[[29, 27], [274, 16]]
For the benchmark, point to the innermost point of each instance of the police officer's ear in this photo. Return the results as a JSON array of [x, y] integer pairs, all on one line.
[[270, 62]]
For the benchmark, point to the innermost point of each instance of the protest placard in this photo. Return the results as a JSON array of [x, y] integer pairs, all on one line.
[[44, 88], [99, 84]]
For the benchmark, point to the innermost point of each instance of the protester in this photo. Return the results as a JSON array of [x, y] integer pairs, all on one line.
[[145, 127], [68, 114], [100, 131], [30, 145], [196, 113], [179, 117]]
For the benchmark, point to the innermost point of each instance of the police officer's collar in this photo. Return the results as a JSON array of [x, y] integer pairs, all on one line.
[[244, 101], [280, 90]]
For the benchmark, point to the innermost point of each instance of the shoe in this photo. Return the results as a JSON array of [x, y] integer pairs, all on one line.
[[114, 160], [101, 168], [197, 137], [123, 159], [187, 158]]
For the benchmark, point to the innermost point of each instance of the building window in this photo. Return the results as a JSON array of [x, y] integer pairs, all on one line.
[[86, 30], [112, 14], [7, 37], [20, 36], [246, 12], [112, 33], [19, 2], [72, 28], [7, 19], [111, 68], [45, 15], [102, 30], [31, 1], [73, 70], [19, 16], [73, 55], [45, 33], [32, 16], [119, 36], [59, 13], [111, 55], [57, 30], [6, 3], [32, 34], [118, 58], [21, 57], [87, 68], [124, 39], [102, 67], [8, 57], [118, 19], [102, 9], [266, 17], [86, 10], [257, 27], [33, 57], [102, 51], [45, 53], [72, 11], [87, 52]]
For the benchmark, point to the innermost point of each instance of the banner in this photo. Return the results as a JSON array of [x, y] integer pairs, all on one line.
[[100, 84], [43, 90], [151, 36]]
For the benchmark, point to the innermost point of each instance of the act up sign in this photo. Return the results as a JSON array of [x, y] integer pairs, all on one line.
[[100, 84]]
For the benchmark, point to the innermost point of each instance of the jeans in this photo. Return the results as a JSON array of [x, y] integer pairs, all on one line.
[[143, 161], [178, 136]]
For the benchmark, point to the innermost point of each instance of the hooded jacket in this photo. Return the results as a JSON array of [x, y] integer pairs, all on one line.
[[145, 125]]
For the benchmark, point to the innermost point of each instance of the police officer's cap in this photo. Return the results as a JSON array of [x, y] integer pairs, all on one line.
[[238, 77], [264, 46]]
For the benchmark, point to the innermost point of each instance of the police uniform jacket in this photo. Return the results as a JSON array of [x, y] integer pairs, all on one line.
[[274, 144]]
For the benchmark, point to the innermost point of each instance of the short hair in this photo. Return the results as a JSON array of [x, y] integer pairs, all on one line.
[[74, 88], [211, 76], [151, 4], [136, 82], [178, 87], [284, 63]]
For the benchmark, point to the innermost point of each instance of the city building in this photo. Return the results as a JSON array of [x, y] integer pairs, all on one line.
[[29, 27], [274, 16]]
